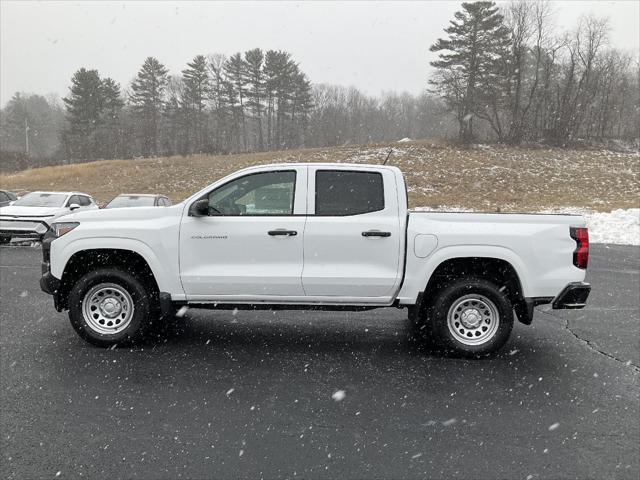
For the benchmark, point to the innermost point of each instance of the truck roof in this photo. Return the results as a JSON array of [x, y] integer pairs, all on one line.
[[323, 164]]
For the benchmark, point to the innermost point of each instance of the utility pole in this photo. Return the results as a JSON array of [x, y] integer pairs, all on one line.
[[26, 135]]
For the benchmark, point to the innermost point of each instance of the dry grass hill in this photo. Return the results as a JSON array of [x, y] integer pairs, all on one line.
[[482, 178]]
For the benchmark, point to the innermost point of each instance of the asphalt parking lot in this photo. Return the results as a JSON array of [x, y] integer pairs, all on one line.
[[249, 395]]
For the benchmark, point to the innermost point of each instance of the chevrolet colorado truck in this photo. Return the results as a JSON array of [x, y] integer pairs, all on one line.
[[314, 236]]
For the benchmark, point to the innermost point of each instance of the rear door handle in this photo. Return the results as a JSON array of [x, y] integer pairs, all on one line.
[[376, 233], [282, 232]]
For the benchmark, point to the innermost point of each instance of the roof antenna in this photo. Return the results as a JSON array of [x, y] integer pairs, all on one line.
[[388, 155]]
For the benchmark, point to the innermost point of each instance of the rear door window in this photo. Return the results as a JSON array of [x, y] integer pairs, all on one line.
[[340, 193]]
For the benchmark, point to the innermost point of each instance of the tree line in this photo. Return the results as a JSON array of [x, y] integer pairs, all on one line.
[[507, 74], [501, 74]]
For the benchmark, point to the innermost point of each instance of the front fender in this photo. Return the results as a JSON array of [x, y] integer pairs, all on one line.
[[61, 252]]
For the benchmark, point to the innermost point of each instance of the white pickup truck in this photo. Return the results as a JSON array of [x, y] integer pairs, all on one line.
[[316, 236]]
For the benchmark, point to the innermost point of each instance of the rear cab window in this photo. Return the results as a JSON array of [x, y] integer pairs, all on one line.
[[347, 192]]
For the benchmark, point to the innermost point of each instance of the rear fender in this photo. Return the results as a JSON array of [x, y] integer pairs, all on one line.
[[419, 270]]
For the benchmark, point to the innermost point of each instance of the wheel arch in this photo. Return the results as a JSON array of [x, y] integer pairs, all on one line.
[[499, 271], [84, 261]]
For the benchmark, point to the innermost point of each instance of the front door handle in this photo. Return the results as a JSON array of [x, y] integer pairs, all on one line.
[[282, 232], [376, 233]]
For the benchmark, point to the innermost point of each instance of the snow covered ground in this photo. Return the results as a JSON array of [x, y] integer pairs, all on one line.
[[621, 226]]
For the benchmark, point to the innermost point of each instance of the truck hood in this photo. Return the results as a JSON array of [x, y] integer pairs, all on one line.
[[18, 211], [126, 214]]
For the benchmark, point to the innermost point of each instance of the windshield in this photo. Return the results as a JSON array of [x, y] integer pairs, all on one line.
[[37, 199], [131, 201]]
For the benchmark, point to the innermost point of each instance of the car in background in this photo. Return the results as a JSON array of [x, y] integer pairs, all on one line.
[[31, 215], [125, 200], [6, 198]]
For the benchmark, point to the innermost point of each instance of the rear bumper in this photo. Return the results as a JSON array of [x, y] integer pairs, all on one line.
[[574, 295]]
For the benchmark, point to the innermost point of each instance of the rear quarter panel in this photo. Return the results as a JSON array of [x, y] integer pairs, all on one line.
[[537, 246]]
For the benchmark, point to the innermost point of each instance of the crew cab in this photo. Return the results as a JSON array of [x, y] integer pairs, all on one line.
[[316, 236]]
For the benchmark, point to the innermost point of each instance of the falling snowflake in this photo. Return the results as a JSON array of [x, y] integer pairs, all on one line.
[[338, 395], [553, 427], [180, 313]]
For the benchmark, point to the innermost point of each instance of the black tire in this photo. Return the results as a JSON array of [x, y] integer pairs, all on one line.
[[144, 307], [482, 302], [4, 240]]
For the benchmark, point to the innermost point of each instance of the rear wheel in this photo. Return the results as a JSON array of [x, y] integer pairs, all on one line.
[[4, 240], [469, 317], [109, 306]]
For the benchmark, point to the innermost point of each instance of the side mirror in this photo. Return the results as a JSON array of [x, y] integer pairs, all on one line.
[[74, 206], [199, 208]]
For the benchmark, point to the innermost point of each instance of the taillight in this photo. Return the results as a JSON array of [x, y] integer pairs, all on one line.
[[581, 253]]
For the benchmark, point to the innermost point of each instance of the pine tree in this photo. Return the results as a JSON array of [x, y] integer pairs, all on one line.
[[279, 71], [31, 125], [111, 130], [84, 107], [197, 89], [469, 62], [255, 92], [147, 100], [235, 74]]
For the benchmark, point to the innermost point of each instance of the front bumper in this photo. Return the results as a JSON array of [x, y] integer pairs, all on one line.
[[574, 295], [51, 285], [48, 283]]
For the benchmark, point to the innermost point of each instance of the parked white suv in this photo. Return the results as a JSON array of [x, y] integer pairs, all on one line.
[[328, 236], [31, 215]]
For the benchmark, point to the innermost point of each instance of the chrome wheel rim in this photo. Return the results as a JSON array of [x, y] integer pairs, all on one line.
[[473, 319], [107, 308]]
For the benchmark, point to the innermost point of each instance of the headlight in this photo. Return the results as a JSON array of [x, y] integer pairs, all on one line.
[[59, 229]]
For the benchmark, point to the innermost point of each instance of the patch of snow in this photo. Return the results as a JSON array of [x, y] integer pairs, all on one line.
[[405, 140], [621, 226]]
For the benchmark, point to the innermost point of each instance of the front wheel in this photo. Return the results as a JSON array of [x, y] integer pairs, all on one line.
[[109, 306], [469, 317], [4, 240]]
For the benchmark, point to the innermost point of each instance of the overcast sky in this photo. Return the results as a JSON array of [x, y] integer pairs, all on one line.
[[373, 46]]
